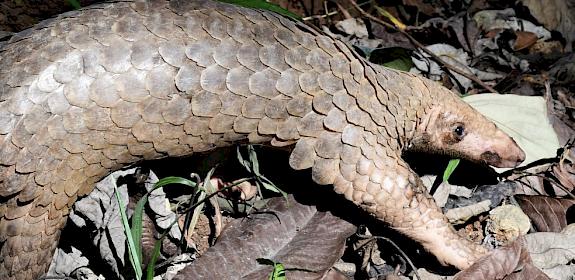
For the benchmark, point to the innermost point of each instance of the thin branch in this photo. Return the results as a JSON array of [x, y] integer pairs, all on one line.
[[422, 47]]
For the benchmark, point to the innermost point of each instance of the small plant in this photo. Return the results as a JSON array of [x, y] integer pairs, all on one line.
[[252, 166], [202, 191], [278, 272]]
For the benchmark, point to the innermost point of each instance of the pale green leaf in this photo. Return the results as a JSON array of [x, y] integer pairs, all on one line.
[[522, 117]]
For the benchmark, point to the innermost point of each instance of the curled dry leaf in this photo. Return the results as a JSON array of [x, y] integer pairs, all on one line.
[[506, 223], [442, 193], [298, 236], [524, 40], [561, 105], [353, 26], [509, 262], [546, 213], [163, 215], [461, 215]]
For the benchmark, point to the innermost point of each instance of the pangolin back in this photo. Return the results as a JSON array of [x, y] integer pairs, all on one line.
[[114, 84]]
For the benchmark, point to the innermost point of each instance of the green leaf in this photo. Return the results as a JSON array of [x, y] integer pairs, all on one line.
[[522, 117], [137, 226], [135, 258], [137, 217], [173, 180], [263, 5], [279, 272], [155, 254], [252, 166], [254, 160], [245, 163], [449, 169], [207, 189]]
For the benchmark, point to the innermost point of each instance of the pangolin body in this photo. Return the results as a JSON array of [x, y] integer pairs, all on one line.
[[114, 84]]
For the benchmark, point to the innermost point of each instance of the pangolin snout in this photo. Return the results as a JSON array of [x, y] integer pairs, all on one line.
[[506, 154]]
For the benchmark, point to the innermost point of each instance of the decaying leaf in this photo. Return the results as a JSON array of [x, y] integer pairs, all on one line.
[[546, 213], [505, 19], [99, 213], [506, 223], [508, 262], [65, 263], [553, 252], [160, 206], [563, 71], [555, 14], [455, 57], [518, 116], [306, 241]]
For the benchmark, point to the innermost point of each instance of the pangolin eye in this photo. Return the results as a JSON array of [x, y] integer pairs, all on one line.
[[459, 131]]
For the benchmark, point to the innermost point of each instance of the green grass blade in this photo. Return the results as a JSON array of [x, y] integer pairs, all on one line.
[[137, 226], [174, 180], [207, 189], [449, 169], [150, 273], [254, 160], [245, 163], [137, 217], [135, 260]]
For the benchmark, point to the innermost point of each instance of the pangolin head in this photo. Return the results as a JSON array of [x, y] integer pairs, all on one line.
[[450, 126]]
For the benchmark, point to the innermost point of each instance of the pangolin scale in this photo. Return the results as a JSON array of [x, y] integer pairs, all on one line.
[[110, 85]]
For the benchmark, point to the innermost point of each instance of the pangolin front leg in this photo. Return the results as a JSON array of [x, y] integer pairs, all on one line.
[[378, 180], [101, 88]]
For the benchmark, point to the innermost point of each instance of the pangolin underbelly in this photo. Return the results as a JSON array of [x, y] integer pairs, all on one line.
[[110, 85]]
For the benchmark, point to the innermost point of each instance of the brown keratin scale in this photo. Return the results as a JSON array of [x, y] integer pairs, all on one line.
[[110, 85]]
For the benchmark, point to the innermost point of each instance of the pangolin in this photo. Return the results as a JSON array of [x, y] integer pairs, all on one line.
[[95, 90]]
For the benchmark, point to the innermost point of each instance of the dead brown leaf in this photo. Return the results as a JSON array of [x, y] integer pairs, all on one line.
[[306, 241], [546, 213], [507, 262], [524, 40]]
